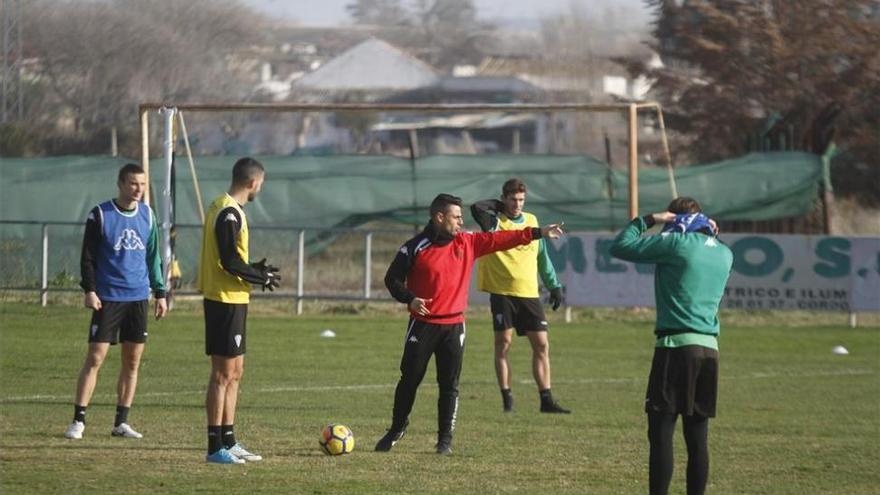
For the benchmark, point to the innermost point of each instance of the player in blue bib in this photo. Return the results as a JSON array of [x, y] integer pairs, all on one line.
[[120, 265]]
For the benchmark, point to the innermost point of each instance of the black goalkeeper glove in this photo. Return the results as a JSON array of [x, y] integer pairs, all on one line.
[[269, 274], [557, 297]]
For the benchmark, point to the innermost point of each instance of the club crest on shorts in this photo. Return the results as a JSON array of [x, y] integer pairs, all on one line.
[[94, 329], [237, 339]]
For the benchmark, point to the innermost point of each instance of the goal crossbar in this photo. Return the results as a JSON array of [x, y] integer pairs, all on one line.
[[397, 107]]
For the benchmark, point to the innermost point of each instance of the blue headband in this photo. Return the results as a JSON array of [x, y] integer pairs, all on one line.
[[688, 222]]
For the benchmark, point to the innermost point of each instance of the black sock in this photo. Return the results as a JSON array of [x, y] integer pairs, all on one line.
[[121, 415], [507, 398], [546, 396], [79, 413], [215, 442], [228, 435]]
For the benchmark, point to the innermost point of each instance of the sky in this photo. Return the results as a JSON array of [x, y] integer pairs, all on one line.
[[332, 12]]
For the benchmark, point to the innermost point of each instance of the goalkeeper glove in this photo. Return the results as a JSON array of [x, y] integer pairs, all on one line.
[[557, 297], [269, 273]]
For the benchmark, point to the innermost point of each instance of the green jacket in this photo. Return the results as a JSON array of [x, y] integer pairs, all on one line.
[[689, 279]]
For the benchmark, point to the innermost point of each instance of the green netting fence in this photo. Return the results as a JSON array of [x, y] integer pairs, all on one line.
[[339, 192], [349, 190]]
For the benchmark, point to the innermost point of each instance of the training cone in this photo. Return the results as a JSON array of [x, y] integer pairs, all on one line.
[[329, 334], [840, 350]]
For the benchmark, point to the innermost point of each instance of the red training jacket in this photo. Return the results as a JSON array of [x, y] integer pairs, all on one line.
[[441, 271]]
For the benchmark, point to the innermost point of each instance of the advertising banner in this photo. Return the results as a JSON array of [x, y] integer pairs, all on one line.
[[769, 272]]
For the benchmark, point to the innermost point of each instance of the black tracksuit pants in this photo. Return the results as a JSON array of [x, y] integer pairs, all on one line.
[[422, 340]]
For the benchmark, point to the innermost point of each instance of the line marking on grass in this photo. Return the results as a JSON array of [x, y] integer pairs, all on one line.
[[757, 375]]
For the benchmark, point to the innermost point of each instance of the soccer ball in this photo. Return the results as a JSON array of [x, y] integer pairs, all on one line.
[[336, 440]]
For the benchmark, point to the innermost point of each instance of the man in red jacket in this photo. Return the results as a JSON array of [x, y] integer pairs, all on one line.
[[431, 274]]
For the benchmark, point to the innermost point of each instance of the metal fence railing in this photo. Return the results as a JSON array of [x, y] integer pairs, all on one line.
[[316, 263]]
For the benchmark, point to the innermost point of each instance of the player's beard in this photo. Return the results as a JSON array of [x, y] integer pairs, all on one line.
[[450, 231], [251, 196]]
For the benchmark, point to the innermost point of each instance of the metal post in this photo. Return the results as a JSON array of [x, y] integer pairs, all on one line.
[[413, 156], [165, 222], [827, 191], [368, 264], [568, 314], [192, 167], [672, 186], [468, 142], [145, 150], [44, 271], [853, 319], [114, 142], [633, 161], [300, 270]]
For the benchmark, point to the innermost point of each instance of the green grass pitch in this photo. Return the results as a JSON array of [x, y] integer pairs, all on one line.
[[793, 417]]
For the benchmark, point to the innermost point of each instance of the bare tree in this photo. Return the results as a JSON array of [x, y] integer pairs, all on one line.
[[379, 12], [578, 47], [442, 32], [450, 32], [99, 59]]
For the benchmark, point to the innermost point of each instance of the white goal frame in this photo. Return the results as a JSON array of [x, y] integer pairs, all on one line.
[[169, 109]]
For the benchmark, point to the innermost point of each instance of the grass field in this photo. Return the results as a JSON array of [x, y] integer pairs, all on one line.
[[793, 417]]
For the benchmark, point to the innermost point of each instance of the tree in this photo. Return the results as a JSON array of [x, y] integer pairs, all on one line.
[[450, 31], [97, 60], [379, 12], [731, 65], [442, 32], [584, 32], [578, 46]]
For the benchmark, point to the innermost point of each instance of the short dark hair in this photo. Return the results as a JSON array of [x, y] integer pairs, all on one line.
[[513, 186], [442, 202], [129, 169], [245, 170], [684, 204]]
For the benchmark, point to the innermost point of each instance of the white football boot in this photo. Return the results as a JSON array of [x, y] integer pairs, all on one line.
[[239, 451], [125, 431], [75, 430]]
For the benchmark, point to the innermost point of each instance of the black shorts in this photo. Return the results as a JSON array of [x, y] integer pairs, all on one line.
[[120, 322], [525, 314], [683, 380], [225, 328], [423, 340]]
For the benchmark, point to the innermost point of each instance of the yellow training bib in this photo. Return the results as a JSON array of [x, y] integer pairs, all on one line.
[[513, 272], [214, 282]]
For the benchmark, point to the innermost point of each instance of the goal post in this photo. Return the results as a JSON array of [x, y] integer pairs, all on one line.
[[630, 111]]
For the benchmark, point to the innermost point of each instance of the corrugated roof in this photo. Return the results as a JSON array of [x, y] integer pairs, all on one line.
[[370, 65]]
